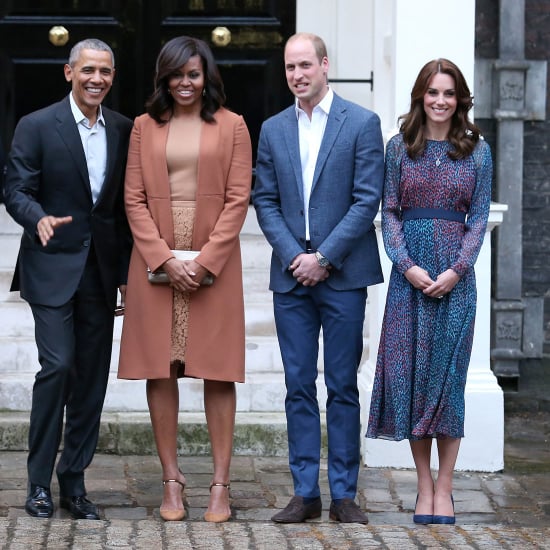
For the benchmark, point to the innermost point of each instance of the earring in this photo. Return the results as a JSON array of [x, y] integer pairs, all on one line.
[[204, 92]]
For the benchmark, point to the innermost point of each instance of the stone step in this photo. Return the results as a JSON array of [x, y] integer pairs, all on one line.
[[10, 248], [17, 320], [256, 434], [262, 392], [7, 225]]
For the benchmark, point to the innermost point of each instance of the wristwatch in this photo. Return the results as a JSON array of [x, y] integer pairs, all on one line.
[[323, 262]]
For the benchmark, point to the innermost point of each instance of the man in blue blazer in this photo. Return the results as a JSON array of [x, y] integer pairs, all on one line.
[[64, 185], [319, 178]]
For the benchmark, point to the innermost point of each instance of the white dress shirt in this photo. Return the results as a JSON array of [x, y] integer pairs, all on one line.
[[94, 142], [310, 133]]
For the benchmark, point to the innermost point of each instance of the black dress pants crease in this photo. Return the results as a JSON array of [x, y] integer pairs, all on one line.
[[74, 344]]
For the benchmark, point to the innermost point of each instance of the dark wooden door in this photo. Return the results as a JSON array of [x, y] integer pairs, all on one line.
[[247, 37]]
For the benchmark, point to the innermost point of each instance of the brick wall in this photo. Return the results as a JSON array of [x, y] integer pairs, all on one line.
[[536, 160]]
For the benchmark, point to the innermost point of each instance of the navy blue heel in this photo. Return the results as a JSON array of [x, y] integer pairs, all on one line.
[[422, 519], [445, 520]]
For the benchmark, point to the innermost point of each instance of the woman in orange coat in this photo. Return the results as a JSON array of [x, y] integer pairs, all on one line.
[[187, 187]]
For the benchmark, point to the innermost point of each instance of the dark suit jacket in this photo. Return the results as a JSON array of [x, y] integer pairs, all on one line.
[[345, 195], [47, 175]]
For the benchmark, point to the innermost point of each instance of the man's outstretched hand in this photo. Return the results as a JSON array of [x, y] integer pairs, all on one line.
[[46, 226]]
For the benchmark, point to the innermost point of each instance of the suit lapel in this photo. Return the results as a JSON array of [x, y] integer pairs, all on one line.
[[66, 127], [291, 138], [113, 141], [335, 121]]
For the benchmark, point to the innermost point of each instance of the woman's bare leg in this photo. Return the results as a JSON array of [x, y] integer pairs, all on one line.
[[421, 451], [163, 400], [448, 452], [220, 403]]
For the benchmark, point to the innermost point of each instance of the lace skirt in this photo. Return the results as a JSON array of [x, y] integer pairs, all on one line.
[[183, 216]]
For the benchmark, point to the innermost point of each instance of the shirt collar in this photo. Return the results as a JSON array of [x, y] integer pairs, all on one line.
[[79, 115], [324, 105]]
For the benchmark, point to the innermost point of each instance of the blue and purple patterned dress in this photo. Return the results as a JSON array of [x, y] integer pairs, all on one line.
[[425, 344]]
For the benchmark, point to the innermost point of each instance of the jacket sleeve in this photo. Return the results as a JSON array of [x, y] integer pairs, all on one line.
[[23, 177], [268, 204]]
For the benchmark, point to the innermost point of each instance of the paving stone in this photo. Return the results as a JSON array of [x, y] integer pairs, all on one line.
[[509, 510]]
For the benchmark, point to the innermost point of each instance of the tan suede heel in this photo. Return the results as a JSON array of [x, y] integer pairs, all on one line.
[[211, 516], [170, 514]]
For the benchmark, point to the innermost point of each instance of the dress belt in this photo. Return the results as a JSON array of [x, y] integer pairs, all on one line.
[[430, 213]]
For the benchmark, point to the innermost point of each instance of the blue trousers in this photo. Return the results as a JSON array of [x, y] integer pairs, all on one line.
[[299, 316]]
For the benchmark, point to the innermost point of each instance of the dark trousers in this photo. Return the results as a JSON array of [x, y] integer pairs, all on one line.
[[299, 316], [74, 344]]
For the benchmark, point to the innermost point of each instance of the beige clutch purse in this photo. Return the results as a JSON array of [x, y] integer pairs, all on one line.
[[160, 277]]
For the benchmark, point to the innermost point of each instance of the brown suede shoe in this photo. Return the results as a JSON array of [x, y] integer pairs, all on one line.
[[347, 512], [297, 512]]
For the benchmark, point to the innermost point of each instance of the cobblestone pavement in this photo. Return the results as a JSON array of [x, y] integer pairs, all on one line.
[[494, 510]]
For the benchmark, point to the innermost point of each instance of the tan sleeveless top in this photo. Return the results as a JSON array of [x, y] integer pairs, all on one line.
[[182, 157]]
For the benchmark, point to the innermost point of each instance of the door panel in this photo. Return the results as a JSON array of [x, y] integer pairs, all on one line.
[[37, 62]]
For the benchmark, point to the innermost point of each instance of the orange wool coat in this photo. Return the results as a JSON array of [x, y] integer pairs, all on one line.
[[215, 344]]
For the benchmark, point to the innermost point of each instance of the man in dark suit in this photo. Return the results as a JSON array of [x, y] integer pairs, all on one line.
[[319, 178], [64, 185]]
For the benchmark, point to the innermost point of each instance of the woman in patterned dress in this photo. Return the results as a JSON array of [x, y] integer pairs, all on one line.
[[434, 215], [187, 187]]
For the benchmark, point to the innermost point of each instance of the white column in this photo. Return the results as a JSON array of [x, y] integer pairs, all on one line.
[[408, 34]]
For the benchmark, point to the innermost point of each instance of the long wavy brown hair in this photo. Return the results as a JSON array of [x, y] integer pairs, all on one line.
[[173, 55], [463, 134]]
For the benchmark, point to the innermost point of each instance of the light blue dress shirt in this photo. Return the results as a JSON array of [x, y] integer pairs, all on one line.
[[94, 142]]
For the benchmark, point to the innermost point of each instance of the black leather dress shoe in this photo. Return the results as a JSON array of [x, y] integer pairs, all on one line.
[[39, 502], [297, 512], [347, 511], [80, 507]]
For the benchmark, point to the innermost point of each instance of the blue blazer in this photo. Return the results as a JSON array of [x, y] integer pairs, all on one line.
[[346, 192], [47, 174]]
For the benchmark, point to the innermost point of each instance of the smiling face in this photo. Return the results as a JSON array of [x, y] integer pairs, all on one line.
[[186, 86], [306, 75], [91, 78], [440, 102]]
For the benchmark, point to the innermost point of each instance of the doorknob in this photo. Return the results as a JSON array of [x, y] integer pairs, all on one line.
[[59, 35], [221, 36]]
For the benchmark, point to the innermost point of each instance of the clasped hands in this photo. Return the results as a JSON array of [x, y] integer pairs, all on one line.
[[306, 269], [421, 280], [186, 275]]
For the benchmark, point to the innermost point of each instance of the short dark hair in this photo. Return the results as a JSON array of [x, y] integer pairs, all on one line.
[[173, 55], [463, 134]]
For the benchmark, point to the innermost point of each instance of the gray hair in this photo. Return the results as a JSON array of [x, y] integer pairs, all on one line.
[[89, 44]]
